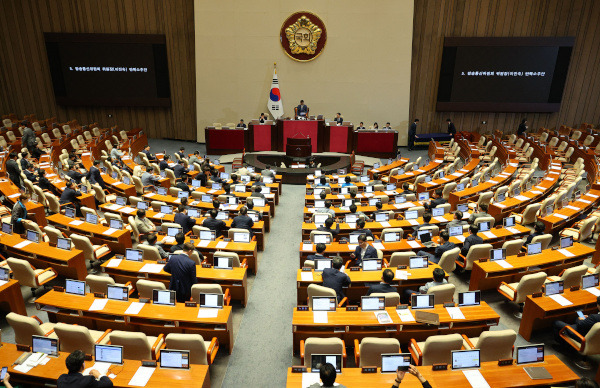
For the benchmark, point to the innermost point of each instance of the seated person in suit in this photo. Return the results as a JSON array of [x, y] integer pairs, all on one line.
[[43, 182], [76, 365], [24, 162], [375, 125], [30, 173], [70, 194], [179, 241], [363, 250], [457, 220], [151, 157], [241, 124], [582, 326], [302, 110], [143, 224], [335, 279], [164, 163], [483, 208], [361, 126], [256, 192], [426, 219], [439, 278], [195, 158], [538, 230], [74, 174], [242, 220], [263, 118], [436, 201], [387, 277], [179, 169], [182, 183], [387, 126], [360, 228], [338, 118], [181, 153], [327, 209], [213, 224], [444, 246], [203, 176], [183, 219], [472, 239], [267, 171], [95, 176], [310, 260], [327, 227], [151, 240], [148, 179], [354, 210], [405, 189], [375, 180]]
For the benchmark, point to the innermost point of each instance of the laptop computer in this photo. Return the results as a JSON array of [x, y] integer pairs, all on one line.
[[75, 287], [324, 303], [529, 354], [40, 344], [422, 301], [321, 264], [425, 237], [163, 297], [534, 248], [371, 265], [497, 254], [418, 262]]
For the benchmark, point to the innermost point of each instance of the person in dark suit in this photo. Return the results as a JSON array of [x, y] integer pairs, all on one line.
[[203, 176], [445, 245], [387, 277], [180, 169], [43, 182], [181, 153], [256, 192], [451, 128], [302, 110], [94, 175], [30, 174], [182, 183], [335, 279], [69, 194], [538, 230], [327, 227], [412, 132], [24, 162], [75, 175], [387, 126], [319, 255], [183, 273], [75, 363], [242, 220], [360, 228], [363, 250], [361, 126], [150, 156], [522, 127], [405, 189], [179, 241], [19, 214], [213, 224], [241, 124], [183, 219], [164, 163], [263, 118], [471, 240], [439, 278], [338, 118], [436, 201], [426, 219], [13, 170], [582, 326]]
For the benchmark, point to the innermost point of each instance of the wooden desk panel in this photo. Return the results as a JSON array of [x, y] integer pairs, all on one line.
[[46, 375], [151, 320], [387, 168], [439, 183], [10, 295], [351, 325], [489, 274], [541, 312], [35, 210], [565, 216], [233, 279], [412, 175], [67, 263]]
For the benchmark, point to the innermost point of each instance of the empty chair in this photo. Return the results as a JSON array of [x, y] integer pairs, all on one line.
[[518, 292], [401, 258], [476, 252], [443, 293], [567, 157], [100, 284], [234, 257], [28, 276], [317, 290], [313, 345], [513, 247], [528, 215], [137, 346], [149, 252], [544, 239], [392, 299], [24, 327], [448, 188], [437, 349], [316, 232], [144, 288], [74, 337], [210, 288], [570, 276], [31, 225], [484, 198], [493, 345], [370, 349], [201, 352], [585, 231], [91, 252], [157, 204], [53, 234], [448, 260]]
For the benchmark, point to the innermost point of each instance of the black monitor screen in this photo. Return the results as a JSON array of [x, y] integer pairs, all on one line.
[[503, 74], [109, 69]]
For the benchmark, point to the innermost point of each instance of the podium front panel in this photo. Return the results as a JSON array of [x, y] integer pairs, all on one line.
[[224, 141], [301, 128], [338, 138], [378, 144], [262, 137]]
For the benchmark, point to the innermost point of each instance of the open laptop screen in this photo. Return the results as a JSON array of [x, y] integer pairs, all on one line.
[[534, 248], [75, 287], [372, 303], [422, 301], [117, 293], [45, 345], [211, 300], [588, 281], [164, 297], [324, 303]]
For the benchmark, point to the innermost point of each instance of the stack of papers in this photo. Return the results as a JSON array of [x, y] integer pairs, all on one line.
[[513, 230], [222, 244], [383, 317], [208, 313], [401, 274], [460, 238], [503, 263], [385, 224], [378, 245], [128, 210], [593, 291], [489, 234], [475, 378], [114, 263], [22, 244], [203, 243], [440, 219], [112, 206], [414, 244], [109, 231], [560, 216], [76, 222], [566, 253], [134, 308]]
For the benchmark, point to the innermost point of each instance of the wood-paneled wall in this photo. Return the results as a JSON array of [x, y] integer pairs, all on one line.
[[25, 83], [435, 19]]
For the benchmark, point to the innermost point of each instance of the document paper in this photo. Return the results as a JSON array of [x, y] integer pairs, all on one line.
[[134, 308], [98, 305], [476, 379], [561, 300], [141, 376], [455, 313], [320, 317]]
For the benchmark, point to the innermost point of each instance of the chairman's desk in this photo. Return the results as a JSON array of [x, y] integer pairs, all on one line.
[[11, 297], [496, 376], [541, 312], [472, 193], [41, 255], [117, 240], [489, 274], [376, 143], [152, 319], [495, 236], [47, 375], [351, 325], [235, 279], [258, 230], [247, 251], [362, 280]]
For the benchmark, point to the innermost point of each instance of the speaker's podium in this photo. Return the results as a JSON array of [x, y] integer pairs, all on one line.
[[298, 148]]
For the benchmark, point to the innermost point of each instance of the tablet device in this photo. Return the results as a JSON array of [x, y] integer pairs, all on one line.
[[174, 359], [172, 231], [554, 288], [588, 281], [418, 262], [40, 344], [392, 362], [91, 218], [133, 254], [117, 293], [116, 224], [484, 226], [241, 237], [437, 211], [207, 235], [566, 242], [209, 300], [455, 230], [372, 303], [112, 354], [529, 354], [321, 264], [534, 248], [466, 359], [75, 287], [163, 297], [509, 222], [469, 298], [324, 303], [322, 238], [223, 262], [422, 301], [497, 254], [371, 265], [32, 236], [411, 214]]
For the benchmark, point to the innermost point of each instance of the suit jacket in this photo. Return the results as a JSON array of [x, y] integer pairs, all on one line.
[[302, 109], [28, 140], [213, 224], [201, 177], [531, 236], [335, 279], [381, 287], [24, 164], [469, 242], [179, 170], [185, 221], [371, 253], [456, 223], [315, 256], [434, 203], [475, 216], [31, 176], [183, 276], [77, 380], [441, 249], [181, 154], [69, 195], [522, 129], [115, 153], [148, 179], [19, 213], [182, 186], [583, 326], [45, 184], [75, 175], [451, 128], [257, 195], [339, 120], [13, 171], [94, 176], [242, 222], [193, 159], [412, 130], [162, 165], [149, 156], [242, 125], [143, 225], [334, 232]]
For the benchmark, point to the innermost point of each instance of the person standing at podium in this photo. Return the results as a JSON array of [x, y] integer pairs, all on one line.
[[339, 119], [302, 110], [412, 132]]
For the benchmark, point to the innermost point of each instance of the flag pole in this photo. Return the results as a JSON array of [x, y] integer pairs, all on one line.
[[275, 67]]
